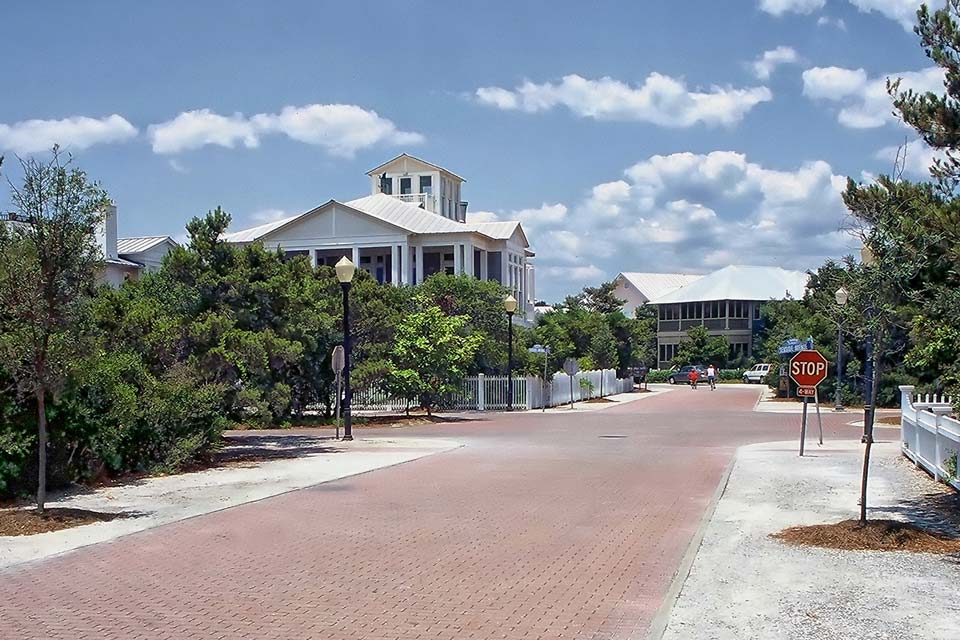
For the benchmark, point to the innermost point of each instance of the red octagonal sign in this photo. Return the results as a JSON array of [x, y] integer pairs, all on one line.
[[808, 368]]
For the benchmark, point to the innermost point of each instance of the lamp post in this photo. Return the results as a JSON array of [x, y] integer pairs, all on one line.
[[841, 295], [510, 305], [868, 260], [345, 270]]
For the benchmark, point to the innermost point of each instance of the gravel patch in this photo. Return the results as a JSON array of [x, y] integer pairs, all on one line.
[[745, 585]]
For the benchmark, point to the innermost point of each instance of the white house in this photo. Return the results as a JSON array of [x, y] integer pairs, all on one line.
[[726, 302], [127, 258], [411, 226]]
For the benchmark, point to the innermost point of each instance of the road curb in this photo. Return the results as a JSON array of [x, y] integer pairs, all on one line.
[[658, 625]]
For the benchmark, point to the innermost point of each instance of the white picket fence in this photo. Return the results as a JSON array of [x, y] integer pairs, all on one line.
[[928, 435], [489, 393]]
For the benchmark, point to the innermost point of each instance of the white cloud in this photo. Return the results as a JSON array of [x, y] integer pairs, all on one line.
[[903, 11], [864, 101], [660, 100], [917, 158], [765, 65], [341, 129], [75, 133], [482, 216], [780, 7], [827, 21], [264, 216], [177, 166], [693, 212]]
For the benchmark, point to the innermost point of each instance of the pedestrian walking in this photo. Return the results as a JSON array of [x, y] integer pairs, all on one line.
[[712, 377], [694, 375]]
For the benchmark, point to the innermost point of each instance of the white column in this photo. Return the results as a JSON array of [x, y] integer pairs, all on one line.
[[504, 269], [406, 264], [484, 272], [457, 258], [419, 264], [356, 256], [469, 267], [394, 265], [313, 258]]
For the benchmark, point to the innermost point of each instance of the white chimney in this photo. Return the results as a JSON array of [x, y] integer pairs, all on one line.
[[107, 233]]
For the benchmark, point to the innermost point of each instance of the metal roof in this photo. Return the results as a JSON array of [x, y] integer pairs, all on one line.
[[122, 262], [408, 217], [654, 285], [740, 283], [140, 243]]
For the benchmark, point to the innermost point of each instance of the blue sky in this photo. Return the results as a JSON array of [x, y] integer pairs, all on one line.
[[627, 136]]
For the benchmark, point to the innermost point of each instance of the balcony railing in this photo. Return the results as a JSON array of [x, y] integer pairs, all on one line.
[[425, 200]]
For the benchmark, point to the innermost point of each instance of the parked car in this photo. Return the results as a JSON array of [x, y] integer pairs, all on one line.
[[683, 375], [757, 374]]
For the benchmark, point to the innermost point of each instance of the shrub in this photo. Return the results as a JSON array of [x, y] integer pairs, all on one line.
[[658, 375]]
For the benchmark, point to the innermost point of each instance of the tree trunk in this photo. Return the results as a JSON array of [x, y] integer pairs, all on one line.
[[868, 436], [42, 449]]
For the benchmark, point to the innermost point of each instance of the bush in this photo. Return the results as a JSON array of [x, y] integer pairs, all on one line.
[[730, 375], [658, 375]]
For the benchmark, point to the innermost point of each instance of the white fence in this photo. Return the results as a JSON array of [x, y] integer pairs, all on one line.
[[928, 436], [489, 393]]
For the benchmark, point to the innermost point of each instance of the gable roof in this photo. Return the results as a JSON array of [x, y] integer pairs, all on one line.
[[403, 215], [654, 285], [138, 244], [740, 283], [407, 155]]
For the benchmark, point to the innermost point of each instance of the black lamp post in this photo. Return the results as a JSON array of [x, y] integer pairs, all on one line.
[[510, 305], [842, 295], [345, 270]]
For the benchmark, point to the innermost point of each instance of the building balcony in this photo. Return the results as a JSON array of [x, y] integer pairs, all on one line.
[[423, 200]]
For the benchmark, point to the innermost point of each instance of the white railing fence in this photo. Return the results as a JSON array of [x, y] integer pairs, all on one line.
[[928, 436], [489, 393]]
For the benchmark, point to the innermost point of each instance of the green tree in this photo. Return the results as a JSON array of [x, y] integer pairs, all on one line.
[[699, 347], [48, 264], [430, 356]]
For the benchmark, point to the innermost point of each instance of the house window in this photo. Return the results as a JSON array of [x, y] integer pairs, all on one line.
[[426, 184], [691, 311], [669, 312], [386, 185], [739, 309], [756, 312], [406, 187], [715, 309]]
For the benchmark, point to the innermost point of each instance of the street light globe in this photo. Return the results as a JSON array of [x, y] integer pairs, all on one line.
[[842, 296], [345, 270], [510, 304]]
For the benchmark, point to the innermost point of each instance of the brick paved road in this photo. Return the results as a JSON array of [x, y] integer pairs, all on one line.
[[542, 527]]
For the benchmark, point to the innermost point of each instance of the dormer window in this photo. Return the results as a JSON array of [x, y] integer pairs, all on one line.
[[406, 186], [426, 184]]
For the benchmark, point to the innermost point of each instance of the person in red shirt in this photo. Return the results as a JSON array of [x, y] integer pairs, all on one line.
[[693, 378]]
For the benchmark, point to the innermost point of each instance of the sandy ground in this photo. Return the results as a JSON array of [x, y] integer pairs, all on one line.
[[745, 585], [155, 501]]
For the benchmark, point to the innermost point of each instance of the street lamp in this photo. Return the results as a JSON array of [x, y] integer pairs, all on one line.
[[841, 295], [345, 270], [868, 259], [510, 305]]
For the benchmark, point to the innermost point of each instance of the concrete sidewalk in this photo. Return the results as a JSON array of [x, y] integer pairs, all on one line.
[[151, 502], [745, 585]]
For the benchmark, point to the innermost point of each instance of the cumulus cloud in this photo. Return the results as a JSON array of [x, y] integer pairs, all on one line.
[[917, 158], [864, 102], [780, 7], [902, 11], [77, 132], [543, 216], [767, 63], [341, 129], [693, 212], [827, 21], [660, 100]]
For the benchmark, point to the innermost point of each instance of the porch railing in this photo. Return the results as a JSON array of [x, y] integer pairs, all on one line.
[[928, 435]]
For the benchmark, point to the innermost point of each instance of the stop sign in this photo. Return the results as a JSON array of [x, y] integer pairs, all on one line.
[[808, 368]]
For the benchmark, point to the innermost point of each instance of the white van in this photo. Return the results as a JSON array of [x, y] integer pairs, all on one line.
[[757, 374]]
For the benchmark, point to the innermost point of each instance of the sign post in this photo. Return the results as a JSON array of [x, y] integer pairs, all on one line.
[[337, 363], [808, 369], [545, 350], [570, 367]]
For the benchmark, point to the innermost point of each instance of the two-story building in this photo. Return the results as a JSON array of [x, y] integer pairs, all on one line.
[[411, 226], [726, 302]]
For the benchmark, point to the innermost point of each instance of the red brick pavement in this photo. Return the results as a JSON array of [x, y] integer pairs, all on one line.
[[542, 527]]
